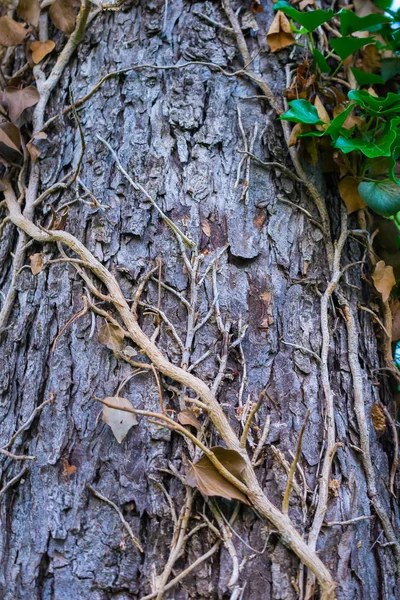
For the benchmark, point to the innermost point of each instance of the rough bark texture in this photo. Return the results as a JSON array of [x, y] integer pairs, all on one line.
[[178, 131]]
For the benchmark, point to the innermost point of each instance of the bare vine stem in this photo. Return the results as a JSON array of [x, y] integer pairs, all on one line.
[[251, 485]]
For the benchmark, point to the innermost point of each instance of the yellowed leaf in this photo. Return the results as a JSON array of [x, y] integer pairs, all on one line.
[[36, 263], [322, 113], [348, 189], [41, 49], [384, 279], [378, 419], [280, 35], [120, 421]]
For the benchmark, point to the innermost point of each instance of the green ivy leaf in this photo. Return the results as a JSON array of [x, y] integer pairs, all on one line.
[[390, 67], [321, 61], [383, 4], [302, 111], [345, 46], [335, 126], [370, 148], [350, 22], [382, 196], [364, 78], [377, 107], [310, 20]]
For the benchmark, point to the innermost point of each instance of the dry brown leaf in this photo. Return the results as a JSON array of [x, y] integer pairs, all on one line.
[[62, 13], [256, 6], [208, 479], [280, 35], [371, 59], [41, 49], [18, 99], [36, 263], [322, 113], [29, 11], [348, 189], [111, 336], [384, 279], [187, 417], [10, 142], [67, 468], [205, 227], [11, 32], [378, 419], [304, 3], [34, 152], [120, 421], [395, 308]]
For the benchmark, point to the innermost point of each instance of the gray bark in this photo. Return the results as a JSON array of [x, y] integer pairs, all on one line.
[[178, 132]]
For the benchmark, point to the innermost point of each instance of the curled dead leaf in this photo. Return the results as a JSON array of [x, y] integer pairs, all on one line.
[[62, 13], [111, 336], [120, 421], [322, 113], [256, 6], [36, 263], [29, 11], [11, 32], [378, 419], [280, 35], [384, 279], [18, 99], [187, 417], [348, 189], [41, 49], [205, 476], [10, 142]]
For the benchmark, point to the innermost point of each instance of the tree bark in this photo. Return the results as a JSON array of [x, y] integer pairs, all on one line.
[[177, 132]]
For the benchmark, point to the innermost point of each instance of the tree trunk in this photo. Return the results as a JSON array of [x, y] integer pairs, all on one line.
[[177, 132]]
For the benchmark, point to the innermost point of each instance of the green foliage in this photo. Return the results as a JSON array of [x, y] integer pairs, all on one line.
[[345, 46], [310, 20], [382, 196], [364, 131], [302, 111]]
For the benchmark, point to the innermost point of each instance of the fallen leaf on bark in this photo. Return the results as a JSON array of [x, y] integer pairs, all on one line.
[[10, 142], [280, 35], [384, 279], [41, 49], [205, 476], [29, 11], [187, 417], [348, 189], [111, 336], [120, 421], [18, 99], [11, 32], [36, 263], [62, 13], [378, 419]]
